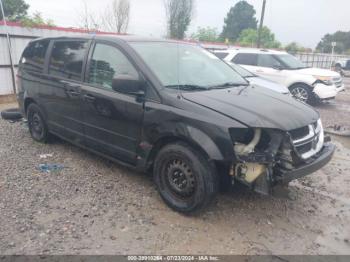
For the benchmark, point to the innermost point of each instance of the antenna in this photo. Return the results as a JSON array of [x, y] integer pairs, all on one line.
[[179, 95]]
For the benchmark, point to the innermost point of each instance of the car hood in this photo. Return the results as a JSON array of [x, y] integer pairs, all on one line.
[[265, 83], [317, 72], [256, 107]]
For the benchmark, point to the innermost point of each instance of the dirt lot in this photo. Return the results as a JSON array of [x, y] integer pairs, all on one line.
[[94, 206]]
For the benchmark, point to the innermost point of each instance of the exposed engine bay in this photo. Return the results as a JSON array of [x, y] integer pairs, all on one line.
[[266, 157]]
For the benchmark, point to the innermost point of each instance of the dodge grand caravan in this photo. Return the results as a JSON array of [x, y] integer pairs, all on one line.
[[170, 108]]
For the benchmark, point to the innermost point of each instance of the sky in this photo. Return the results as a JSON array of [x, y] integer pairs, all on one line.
[[302, 21]]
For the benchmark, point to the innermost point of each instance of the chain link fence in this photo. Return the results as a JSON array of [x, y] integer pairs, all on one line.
[[320, 60]]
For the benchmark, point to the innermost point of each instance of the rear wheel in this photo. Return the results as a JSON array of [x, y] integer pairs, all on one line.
[[302, 93], [184, 177], [37, 125]]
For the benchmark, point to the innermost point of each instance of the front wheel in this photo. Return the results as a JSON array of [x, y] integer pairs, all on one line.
[[302, 93], [184, 177]]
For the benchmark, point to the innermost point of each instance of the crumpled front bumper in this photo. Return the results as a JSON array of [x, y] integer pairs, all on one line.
[[324, 91], [315, 163], [341, 88]]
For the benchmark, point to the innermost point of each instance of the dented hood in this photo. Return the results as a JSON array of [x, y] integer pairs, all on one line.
[[256, 107]]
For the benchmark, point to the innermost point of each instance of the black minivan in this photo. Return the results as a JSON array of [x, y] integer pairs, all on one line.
[[171, 108]]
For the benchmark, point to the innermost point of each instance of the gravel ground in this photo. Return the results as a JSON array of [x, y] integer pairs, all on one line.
[[94, 206]]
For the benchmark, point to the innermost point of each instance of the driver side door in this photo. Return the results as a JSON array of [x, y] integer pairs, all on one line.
[[112, 121], [268, 65]]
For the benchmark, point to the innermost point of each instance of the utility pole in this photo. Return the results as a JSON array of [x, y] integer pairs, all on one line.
[[334, 44], [9, 48], [261, 23]]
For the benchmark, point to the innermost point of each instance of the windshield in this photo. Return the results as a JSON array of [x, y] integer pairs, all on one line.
[[185, 66], [291, 62], [242, 71]]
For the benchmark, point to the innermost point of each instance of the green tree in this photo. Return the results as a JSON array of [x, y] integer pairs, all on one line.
[[14, 10], [248, 37], [342, 39], [239, 18], [35, 20], [206, 34], [179, 15], [295, 48]]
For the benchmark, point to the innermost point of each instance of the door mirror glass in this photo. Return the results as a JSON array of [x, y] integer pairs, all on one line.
[[128, 84], [277, 67]]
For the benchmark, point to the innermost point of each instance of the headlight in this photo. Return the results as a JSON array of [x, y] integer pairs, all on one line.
[[327, 80]]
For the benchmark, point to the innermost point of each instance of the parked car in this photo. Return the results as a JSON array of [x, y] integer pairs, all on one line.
[[259, 81], [305, 84], [170, 108], [342, 66]]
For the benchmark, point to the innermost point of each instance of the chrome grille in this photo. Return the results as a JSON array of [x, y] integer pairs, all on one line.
[[299, 133], [308, 140]]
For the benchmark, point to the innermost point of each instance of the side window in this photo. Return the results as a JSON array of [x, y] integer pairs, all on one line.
[[67, 59], [33, 57], [267, 61], [107, 62], [221, 55], [245, 59]]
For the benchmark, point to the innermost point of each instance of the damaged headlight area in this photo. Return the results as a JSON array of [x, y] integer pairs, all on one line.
[[327, 80], [265, 157], [255, 152]]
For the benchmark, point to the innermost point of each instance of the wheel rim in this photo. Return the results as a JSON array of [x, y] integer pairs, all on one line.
[[300, 94], [179, 178], [37, 126]]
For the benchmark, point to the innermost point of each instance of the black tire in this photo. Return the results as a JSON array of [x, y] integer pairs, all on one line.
[[303, 93], [339, 69], [37, 124], [185, 179], [13, 114]]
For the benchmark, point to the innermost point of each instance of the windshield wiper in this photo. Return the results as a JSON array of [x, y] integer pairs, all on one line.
[[188, 87], [228, 85]]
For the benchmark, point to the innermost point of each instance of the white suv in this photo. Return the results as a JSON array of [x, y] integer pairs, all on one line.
[[305, 84]]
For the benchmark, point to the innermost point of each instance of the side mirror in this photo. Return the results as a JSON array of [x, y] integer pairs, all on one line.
[[278, 67], [128, 84]]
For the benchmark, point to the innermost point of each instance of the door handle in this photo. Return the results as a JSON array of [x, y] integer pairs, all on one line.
[[89, 98], [73, 93], [69, 84]]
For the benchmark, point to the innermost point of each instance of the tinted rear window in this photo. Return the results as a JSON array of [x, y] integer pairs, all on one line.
[[245, 59], [67, 59], [221, 55], [33, 57]]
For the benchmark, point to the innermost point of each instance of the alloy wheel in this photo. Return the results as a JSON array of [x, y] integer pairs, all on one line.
[[300, 94]]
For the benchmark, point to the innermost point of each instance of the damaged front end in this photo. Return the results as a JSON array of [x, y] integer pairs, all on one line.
[[266, 158]]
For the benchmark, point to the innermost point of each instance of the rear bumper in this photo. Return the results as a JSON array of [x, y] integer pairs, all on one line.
[[317, 162], [20, 100]]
